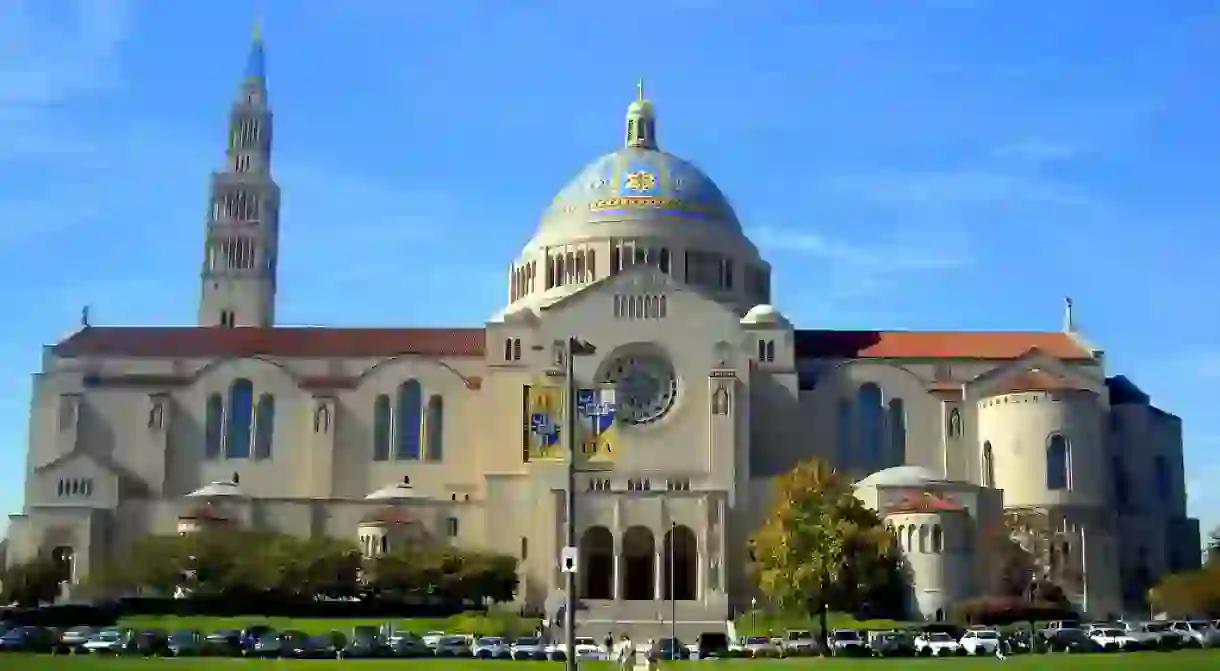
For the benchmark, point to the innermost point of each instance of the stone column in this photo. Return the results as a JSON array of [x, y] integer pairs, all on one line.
[[658, 572]]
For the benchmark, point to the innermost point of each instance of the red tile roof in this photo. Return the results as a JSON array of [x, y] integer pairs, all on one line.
[[189, 342], [208, 342], [389, 515], [925, 502], [935, 344], [1035, 380]]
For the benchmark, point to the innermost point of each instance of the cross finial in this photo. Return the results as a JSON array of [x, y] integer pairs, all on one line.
[[1069, 320], [639, 90], [258, 23]]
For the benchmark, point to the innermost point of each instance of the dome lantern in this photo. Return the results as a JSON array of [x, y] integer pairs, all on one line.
[[641, 122]]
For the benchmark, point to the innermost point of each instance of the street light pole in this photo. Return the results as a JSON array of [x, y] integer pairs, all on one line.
[[569, 529], [673, 592]]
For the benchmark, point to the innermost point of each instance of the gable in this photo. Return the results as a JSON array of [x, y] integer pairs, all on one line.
[[1036, 371], [83, 464]]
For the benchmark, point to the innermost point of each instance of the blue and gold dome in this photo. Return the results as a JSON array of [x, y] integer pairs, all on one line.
[[641, 182]]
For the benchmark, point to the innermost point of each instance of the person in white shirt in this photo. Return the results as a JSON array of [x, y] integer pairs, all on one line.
[[626, 654]]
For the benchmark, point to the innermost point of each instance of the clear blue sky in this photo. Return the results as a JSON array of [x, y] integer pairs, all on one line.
[[922, 165]]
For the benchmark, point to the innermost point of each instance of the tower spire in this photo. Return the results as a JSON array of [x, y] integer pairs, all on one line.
[[641, 121], [240, 259]]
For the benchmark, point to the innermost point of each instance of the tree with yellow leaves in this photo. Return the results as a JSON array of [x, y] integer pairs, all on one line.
[[819, 547]]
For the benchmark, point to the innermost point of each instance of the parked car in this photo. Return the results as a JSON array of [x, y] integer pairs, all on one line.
[[936, 644], [27, 639], [186, 643], [798, 643], [759, 646], [74, 639], [1150, 635], [980, 641], [712, 644], [432, 638], [490, 647], [1064, 639], [453, 646], [269, 644], [150, 643], [892, 644], [366, 643], [1197, 633], [848, 642], [587, 650], [222, 643], [107, 642], [668, 648], [1111, 639], [1055, 625], [406, 644], [529, 647], [250, 635]]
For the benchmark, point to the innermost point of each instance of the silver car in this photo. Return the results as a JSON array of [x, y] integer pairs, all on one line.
[[530, 647], [760, 646], [1197, 632], [453, 646], [491, 647], [798, 642]]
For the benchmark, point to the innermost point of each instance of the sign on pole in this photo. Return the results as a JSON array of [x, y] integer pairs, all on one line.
[[567, 560]]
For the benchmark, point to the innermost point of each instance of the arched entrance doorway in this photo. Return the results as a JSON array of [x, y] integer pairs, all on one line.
[[680, 569], [63, 558], [597, 564], [638, 560]]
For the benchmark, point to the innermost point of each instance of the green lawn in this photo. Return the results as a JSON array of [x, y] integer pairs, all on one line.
[[1189, 660]]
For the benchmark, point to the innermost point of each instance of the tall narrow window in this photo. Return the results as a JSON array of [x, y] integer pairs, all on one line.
[[407, 422], [240, 419], [844, 432], [1119, 474], [898, 432], [213, 426], [381, 428], [436, 427], [264, 426], [1058, 463], [871, 425], [988, 465], [1164, 480]]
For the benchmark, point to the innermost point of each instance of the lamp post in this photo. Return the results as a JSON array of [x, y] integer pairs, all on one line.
[[573, 348], [673, 592], [753, 614]]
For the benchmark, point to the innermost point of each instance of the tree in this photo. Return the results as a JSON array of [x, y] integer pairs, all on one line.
[[1213, 546], [819, 546], [1189, 593], [31, 583]]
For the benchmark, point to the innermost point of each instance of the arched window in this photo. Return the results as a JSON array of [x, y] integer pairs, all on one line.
[[1058, 463], [988, 469], [1164, 478], [923, 538], [381, 428], [407, 422], [843, 439], [898, 432], [870, 425], [240, 419], [436, 427], [938, 539], [213, 426], [264, 426]]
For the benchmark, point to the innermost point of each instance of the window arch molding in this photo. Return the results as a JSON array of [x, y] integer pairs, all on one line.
[[468, 382]]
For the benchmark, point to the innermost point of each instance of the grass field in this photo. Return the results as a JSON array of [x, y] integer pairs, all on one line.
[[1189, 660]]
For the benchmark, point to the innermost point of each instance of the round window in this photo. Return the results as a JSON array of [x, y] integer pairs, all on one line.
[[645, 386]]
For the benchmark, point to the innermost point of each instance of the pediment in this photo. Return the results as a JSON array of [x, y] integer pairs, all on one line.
[[1033, 371], [79, 463]]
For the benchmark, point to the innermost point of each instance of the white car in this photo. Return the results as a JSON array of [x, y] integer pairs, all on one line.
[[936, 644], [847, 642], [587, 650], [432, 638], [1111, 638], [105, 641], [980, 641]]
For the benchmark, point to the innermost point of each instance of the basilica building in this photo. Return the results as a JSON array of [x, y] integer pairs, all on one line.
[[693, 391]]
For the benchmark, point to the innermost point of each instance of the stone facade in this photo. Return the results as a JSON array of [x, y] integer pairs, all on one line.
[[383, 435]]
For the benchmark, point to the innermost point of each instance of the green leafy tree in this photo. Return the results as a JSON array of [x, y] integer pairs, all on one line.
[[30, 583], [819, 547]]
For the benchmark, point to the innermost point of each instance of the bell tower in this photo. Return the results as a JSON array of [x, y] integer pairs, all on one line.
[[240, 253]]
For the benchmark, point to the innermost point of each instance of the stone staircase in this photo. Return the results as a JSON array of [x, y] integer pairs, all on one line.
[[643, 620]]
